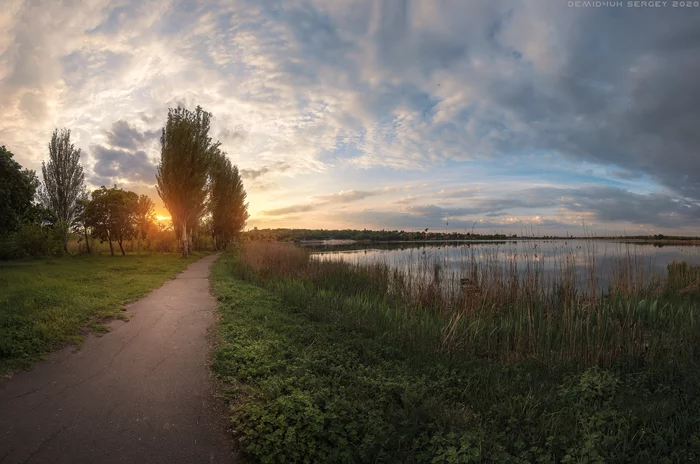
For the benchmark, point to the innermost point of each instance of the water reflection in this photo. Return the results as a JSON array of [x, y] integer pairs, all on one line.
[[592, 262]]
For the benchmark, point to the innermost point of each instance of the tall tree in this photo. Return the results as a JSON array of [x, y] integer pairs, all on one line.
[[229, 211], [185, 157], [63, 180], [144, 217], [17, 189]]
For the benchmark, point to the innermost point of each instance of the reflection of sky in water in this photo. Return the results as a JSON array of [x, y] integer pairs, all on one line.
[[547, 256]]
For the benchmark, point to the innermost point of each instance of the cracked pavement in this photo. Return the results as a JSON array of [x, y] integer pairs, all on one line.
[[142, 393]]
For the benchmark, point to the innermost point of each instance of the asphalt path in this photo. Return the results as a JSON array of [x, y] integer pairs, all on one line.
[[142, 393]]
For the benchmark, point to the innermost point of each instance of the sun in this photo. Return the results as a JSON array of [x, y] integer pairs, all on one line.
[[162, 218]]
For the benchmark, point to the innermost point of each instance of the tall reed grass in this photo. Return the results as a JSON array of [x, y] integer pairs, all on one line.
[[499, 307]]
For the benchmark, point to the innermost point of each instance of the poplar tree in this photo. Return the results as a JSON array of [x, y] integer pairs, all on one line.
[[62, 181], [229, 211], [183, 171]]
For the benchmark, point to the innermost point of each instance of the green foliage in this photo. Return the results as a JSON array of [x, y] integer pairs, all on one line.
[[227, 202], [36, 240], [183, 171], [63, 179], [112, 214], [44, 304], [17, 189], [304, 386]]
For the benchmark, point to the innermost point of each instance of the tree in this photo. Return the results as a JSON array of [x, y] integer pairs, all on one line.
[[81, 219], [98, 217], [17, 189], [63, 181], [123, 204], [144, 217], [229, 211], [111, 216], [186, 152]]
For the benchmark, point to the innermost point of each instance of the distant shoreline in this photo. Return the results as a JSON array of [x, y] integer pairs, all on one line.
[[650, 241]]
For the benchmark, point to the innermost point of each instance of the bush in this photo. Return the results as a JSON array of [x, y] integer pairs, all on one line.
[[32, 241]]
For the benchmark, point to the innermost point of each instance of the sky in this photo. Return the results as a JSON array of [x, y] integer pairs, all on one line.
[[544, 117]]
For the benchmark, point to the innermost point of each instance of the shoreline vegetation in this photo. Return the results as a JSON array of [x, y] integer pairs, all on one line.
[[311, 236], [336, 361]]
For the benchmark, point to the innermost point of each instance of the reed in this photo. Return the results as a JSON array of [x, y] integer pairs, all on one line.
[[502, 306]]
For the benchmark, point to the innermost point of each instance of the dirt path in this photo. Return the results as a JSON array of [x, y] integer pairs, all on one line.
[[140, 394]]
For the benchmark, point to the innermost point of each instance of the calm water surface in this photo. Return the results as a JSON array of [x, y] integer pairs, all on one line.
[[549, 256]]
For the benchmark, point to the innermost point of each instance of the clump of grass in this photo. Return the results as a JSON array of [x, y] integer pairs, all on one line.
[[494, 308]]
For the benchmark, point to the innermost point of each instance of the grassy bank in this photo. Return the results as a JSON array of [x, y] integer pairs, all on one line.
[[45, 303], [317, 370]]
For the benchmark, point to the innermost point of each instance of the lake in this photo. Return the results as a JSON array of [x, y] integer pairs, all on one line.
[[589, 260]]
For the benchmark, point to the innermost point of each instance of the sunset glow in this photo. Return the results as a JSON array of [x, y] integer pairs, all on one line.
[[377, 114]]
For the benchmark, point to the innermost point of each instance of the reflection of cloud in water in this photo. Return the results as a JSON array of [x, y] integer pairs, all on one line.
[[549, 257]]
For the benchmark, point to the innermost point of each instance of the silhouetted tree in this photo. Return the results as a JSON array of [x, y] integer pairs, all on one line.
[[123, 204], [186, 152], [144, 217], [111, 216], [98, 217], [229, 211], [62, 180]]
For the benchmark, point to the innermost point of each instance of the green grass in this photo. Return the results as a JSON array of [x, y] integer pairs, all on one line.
[[308, 386], [45, 304]]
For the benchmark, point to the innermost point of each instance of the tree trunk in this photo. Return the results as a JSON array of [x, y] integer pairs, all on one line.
[[111, 248], [87, 241], [138, 242], [121, 247], [185, 240]]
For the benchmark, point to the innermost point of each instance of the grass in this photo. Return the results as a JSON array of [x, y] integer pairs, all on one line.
[[499, 309], [336, 383], [45, 304]]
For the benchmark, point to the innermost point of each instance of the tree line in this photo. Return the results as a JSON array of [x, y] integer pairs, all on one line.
[[200, 187], [297, 235]]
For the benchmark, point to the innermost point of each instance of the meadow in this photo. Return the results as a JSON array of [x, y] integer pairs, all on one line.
[[342, 362], [47, 303]]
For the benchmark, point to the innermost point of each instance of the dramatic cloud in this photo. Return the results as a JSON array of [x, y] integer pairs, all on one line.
[[122, 164], [506, 109], [124, 136]]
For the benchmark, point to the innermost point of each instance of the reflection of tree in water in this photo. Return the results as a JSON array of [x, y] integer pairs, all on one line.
[[359, 246]]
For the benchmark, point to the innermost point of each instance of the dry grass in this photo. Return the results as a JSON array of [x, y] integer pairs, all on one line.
[[497, 307]]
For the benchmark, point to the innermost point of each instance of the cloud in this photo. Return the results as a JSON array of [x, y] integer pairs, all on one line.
[[125, 136], [394, 89], [459, 193], [253, 174], [301, 208], [346, 196], [122, 164]]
